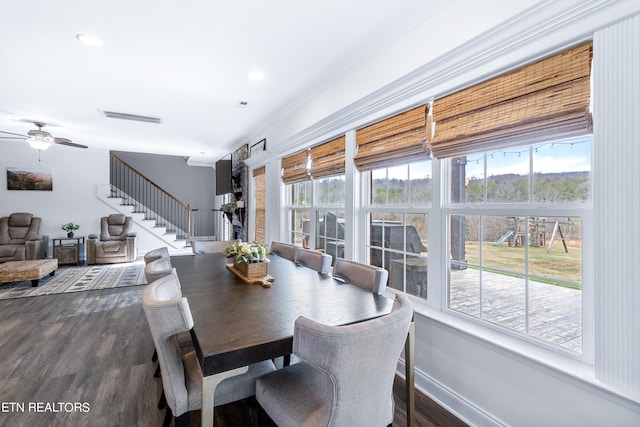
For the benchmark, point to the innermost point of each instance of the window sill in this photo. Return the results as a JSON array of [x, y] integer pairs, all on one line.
[[563, 367]]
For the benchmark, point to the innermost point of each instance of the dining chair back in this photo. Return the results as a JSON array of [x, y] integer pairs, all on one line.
[[284, 250], [161, 252], [362, 275], [158, 268], [168, 315], [314, 260], [211, 246], [345, 376]]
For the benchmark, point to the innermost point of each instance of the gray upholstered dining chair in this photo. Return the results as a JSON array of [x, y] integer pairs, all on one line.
[[345, 376], [161, 252], [211, 246], [362, 275], [168, 314], [314, 260], [157, 268], [284, 250]]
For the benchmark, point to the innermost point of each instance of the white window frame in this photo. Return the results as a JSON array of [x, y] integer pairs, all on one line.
[[582, 210]]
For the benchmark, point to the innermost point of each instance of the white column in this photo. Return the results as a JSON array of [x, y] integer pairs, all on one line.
[[616, 154]]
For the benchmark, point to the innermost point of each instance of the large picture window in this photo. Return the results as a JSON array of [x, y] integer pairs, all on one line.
[[400, 197], [319, 203], [517, 261], [316, 188]]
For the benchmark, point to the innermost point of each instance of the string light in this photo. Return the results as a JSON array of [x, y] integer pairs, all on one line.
[[535, 148]]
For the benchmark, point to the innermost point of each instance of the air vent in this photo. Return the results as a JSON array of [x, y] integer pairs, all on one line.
[[133, 117]]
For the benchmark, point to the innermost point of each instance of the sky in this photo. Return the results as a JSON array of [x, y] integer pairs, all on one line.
[[571, 155]]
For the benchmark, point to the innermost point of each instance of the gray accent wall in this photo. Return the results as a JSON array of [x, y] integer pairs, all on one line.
[[193, 185]]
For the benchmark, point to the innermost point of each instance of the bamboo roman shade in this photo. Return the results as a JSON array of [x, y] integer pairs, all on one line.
[[294, 167], [261, 206], [544, 101], [395, 140], [327, 159]]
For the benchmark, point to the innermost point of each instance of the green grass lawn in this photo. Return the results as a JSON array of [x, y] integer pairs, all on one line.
[[555, 264]]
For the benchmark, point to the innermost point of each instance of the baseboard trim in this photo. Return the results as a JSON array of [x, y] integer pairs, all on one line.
[[457, 405]]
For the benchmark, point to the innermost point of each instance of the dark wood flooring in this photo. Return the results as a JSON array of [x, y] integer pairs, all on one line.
[[84, 359]]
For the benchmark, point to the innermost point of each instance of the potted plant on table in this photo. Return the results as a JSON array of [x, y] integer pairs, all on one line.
[[70, 227], [248, 258]]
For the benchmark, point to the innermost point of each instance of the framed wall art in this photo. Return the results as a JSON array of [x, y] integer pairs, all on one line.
[[258, 146], [29, 179]]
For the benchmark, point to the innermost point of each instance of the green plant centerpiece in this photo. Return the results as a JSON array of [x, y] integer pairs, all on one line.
[[228, 209], [248, 258], [70, 227]]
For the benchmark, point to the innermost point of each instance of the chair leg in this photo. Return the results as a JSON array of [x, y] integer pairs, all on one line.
[[182, 420], [155, 355], [163, 401], [168, 416], [156, 374]]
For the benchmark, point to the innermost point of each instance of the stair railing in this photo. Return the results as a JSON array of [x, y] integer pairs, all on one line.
[[147, 197]]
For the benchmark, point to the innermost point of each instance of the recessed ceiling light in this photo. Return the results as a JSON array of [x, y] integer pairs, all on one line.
[[256, 75], [90, 40]]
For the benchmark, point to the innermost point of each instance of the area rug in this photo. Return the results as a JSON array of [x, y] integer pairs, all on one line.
[[77, 279]]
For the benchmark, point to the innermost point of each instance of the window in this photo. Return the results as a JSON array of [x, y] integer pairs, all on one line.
[[317, 207], [301, 199], [400, 197], [321, 203], [516, 261]]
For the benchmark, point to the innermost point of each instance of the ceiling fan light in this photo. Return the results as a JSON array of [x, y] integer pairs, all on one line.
[[40, 142]]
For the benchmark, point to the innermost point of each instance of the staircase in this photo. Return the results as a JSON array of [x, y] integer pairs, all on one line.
[[176, 243]]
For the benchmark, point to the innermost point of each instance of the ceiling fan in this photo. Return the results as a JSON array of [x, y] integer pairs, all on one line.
[[40, 139]]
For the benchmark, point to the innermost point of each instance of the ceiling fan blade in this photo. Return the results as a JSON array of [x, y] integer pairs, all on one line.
[[65, 141], [11, 133], [13, 137]]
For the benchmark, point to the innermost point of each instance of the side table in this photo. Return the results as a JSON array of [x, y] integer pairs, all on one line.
[[69, 250]]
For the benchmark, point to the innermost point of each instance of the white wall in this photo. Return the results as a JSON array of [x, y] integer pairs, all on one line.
[[481, 375], [76, 174]]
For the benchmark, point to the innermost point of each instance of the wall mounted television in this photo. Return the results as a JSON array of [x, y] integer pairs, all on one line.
[[223, 177]]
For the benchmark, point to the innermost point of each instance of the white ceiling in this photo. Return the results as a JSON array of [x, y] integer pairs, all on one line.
[[186, 62]]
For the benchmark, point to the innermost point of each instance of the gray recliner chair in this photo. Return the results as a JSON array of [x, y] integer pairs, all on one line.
[[117, 243], [19, 238]]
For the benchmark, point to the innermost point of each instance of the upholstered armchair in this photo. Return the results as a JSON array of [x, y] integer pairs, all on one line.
[[19, 238], [116, 242], [169, 315], [284, 250], [345, 374]]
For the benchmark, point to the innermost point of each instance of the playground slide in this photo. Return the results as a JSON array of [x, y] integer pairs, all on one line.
[[503, 238]]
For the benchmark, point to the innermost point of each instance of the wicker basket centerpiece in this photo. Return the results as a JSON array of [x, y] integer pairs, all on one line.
[[250, 259]]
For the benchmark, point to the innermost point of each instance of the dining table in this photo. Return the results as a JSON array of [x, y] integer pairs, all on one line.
[[236, 323]]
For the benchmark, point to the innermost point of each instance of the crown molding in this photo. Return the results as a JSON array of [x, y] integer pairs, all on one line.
[[539, 31], [258, 159]]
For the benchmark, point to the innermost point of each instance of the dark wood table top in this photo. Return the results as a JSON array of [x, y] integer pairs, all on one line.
[[236, 324]]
